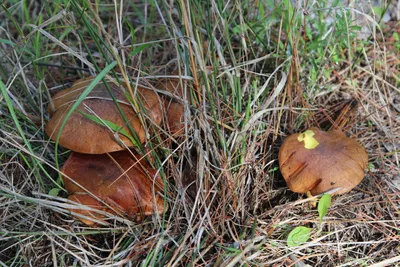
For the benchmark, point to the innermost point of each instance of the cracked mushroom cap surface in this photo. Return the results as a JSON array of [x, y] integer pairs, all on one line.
[[121, 182], [318, 161], [82, 134]]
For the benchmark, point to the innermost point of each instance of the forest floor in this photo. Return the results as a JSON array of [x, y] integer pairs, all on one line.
[[256, 72]]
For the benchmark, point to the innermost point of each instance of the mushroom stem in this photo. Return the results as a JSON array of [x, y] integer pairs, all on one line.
[[313, 202]]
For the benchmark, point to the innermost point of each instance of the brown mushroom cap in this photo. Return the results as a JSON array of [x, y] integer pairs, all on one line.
[[174, 118], [174, 115], [318, 161], [89, 201], [128, 186], [83, 135]]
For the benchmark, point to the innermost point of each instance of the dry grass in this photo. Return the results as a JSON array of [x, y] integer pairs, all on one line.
[[228, 204]]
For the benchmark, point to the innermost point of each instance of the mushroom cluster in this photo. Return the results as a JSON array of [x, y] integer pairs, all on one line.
[[316, 161], [102, 172]]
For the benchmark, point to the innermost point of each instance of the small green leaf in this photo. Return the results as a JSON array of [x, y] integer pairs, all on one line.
[[371, 166], [298, 236], [54, 192], [229, 249], [323, 206], [139, 49], [273, 169]]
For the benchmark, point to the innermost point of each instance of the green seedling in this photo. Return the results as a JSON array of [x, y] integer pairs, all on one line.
[[301, 234], [323, 206], [298, 236]]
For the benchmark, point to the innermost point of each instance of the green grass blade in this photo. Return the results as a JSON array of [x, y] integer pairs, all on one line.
[[110, 125]]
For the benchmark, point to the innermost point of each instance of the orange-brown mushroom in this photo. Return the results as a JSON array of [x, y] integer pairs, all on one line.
[[121, 183], [88, 217], [319, 161], [174, 111], [82, 134]]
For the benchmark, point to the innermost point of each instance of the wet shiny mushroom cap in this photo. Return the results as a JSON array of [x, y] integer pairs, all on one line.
[[82, 134], [318, 161], [123, 183], [86, 214]]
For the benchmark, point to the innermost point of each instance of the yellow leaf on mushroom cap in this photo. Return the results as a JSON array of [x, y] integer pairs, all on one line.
[[309, 141]]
